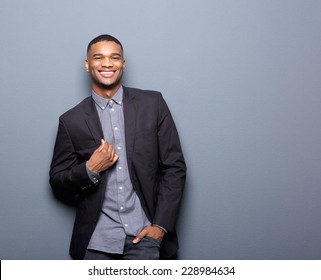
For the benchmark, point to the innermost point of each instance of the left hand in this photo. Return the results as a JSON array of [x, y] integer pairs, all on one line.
[[150, 231]]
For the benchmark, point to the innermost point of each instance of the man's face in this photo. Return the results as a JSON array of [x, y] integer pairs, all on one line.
[[106, 64]]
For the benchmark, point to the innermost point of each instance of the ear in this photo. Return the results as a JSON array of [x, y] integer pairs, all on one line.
[[86, 65]]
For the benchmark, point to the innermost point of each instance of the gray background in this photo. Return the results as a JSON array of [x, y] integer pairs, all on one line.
[[242, 79]]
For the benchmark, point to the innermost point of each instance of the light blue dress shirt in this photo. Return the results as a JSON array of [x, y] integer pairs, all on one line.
[[121, 213]]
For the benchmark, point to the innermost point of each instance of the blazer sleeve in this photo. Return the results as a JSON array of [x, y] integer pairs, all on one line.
[[173, 169], [68, 175]]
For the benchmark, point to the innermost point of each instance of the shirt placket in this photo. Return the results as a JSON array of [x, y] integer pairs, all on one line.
[[115, 111]]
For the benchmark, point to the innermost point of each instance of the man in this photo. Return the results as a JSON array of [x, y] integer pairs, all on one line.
[[118, 157]]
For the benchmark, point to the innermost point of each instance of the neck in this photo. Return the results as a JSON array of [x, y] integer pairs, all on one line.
[[106, 92]]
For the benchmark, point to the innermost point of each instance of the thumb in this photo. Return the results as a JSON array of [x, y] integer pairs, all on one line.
[[102, 143]]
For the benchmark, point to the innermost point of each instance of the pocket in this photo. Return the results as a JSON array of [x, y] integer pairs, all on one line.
[[151, 240]]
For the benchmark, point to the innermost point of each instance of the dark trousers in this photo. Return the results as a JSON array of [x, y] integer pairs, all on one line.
[[146, 249]]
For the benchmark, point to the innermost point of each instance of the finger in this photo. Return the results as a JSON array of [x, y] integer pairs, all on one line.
[[112, 153], [108, 150], [114, 159], [140, 236], [108, 147]]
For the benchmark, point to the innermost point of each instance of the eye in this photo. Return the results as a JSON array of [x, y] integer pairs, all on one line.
[[96, 57]]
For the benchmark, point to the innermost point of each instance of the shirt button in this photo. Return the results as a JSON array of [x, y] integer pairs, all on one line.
[[126, 225], [118, 148], [120, 168], [116, 128], [121, 208], [113, 109], [120, 188]]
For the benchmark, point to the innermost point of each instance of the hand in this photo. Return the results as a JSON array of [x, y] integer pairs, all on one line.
[[152, 232], [103, 158]]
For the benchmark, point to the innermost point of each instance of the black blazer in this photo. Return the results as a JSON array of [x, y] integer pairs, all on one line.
[[155, 161]]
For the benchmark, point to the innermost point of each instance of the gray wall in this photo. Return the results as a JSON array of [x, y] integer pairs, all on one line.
[[242, 79]]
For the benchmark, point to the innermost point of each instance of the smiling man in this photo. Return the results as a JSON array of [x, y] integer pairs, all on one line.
[[118, 158]]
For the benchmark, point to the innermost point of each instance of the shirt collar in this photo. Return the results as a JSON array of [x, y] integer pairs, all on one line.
[[103, 102]]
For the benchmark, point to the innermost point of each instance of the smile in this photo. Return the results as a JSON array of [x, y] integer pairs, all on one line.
[[107, 74]]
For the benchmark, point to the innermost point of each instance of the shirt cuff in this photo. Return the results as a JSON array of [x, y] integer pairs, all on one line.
[[94, 177], [160, 227]]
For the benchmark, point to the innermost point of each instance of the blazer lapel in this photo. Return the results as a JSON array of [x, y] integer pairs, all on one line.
[[93, 122], [129, 122]]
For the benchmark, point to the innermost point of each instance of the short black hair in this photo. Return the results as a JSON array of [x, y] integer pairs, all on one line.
[[104, 37]]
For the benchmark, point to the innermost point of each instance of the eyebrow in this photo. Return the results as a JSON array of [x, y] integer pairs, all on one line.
[[112, 54]]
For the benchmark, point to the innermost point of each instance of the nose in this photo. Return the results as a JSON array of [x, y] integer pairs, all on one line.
[[106, 62]]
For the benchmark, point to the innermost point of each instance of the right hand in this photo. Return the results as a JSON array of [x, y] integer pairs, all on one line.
[[103, 158]]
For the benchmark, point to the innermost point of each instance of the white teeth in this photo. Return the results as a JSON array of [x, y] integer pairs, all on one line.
[[107, 73]]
